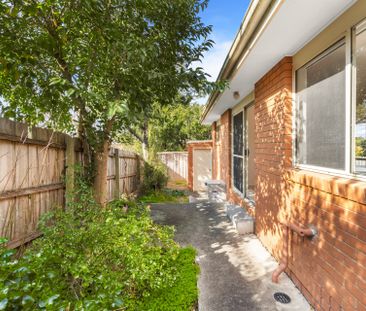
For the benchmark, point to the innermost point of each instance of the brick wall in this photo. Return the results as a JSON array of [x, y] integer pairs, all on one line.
[[225, 148], [273, 103], [330, 270], [215, 153]]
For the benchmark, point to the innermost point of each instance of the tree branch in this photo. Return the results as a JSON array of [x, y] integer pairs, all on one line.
[[135, 134]]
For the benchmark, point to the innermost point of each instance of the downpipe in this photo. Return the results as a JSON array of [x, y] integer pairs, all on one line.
[[309, 232]]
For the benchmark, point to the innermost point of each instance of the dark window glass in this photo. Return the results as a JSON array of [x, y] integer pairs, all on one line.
[[238, 134], [238, 173]]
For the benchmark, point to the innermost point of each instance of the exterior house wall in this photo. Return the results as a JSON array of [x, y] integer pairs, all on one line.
[[273, 118], [331, 269], [225, 148], [215, 152]]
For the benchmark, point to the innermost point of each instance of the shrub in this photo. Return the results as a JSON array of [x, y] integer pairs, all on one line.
[[99, 259], [165, 195], [155, 177]]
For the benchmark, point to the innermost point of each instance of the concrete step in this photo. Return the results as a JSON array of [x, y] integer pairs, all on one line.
[[241, 220]]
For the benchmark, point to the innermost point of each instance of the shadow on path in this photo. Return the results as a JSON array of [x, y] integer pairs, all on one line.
[[235, 270]]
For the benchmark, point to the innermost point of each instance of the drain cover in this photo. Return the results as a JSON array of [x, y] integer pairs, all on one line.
[[282, 297]]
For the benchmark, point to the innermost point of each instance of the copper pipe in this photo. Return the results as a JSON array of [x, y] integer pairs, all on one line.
[[300, 230], [284, 260]]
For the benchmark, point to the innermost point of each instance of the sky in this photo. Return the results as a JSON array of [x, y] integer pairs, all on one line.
[[225, 16]]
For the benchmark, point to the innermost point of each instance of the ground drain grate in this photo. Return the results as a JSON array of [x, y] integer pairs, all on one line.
[[282, 297]]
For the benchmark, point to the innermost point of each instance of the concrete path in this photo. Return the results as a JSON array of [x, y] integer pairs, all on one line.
[[235, 270]]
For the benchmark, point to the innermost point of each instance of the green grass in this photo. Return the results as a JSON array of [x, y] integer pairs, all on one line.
[[164, 196], [180, 183], [183, 295]]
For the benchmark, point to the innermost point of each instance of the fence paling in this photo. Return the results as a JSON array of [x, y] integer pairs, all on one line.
[[176, 164], [33, 163]]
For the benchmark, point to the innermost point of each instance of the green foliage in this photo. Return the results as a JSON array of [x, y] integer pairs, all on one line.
[[184, 294], [164, 196], [174, 125], [99, 63], [154, 177], [360, 147], [99, 259]]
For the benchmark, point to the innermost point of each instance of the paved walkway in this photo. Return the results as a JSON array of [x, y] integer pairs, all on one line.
[[235, 270]]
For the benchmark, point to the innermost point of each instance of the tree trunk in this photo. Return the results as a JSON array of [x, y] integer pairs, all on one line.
[[101, 170], [101, 167], [145, 140]]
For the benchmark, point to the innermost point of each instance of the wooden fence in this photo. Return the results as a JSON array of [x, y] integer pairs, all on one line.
[[33, 164], [176, 163], [123, 173]]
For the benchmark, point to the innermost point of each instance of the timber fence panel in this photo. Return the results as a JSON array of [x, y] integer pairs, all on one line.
[[32, 176], [126, 179], [176, 164]]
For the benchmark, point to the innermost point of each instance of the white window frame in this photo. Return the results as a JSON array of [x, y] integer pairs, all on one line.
[[350, 113]]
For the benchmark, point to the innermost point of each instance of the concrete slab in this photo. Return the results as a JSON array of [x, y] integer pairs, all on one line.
[[235, 270]]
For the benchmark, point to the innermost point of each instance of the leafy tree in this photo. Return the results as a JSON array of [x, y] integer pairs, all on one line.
[[360, 147], [167, 128], [175, 125], [90, 67]]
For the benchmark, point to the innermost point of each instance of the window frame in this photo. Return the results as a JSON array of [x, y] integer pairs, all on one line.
[[241, 194], [350, 104], [356, 29]]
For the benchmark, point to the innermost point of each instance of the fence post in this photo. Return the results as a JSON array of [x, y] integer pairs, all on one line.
[[70, 167], [138, 173], [117, 174]]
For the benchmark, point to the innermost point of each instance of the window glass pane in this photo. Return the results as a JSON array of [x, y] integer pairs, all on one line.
[[238, 173], [360, 95], [238, 134], [321, 111]]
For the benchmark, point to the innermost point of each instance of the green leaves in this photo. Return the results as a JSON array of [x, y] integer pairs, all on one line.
[[174, 125], [96, 60], [97, 259]]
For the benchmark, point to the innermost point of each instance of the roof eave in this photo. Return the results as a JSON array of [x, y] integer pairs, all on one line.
[[256, 12]]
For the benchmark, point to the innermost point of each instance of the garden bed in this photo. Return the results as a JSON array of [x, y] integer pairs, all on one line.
[[91, 258]]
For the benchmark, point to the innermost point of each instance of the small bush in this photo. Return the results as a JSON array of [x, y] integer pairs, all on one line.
[[164, 196], [183, 294], [155, 177], [99, 259]]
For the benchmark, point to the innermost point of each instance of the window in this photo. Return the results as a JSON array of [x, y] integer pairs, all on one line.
[[359, 61], [238, 151], [321, 94], [331, 107]]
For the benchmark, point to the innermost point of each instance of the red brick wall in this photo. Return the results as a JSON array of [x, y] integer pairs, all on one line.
[[330, 270], [215, 152], [273, 142], [225, 148]]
